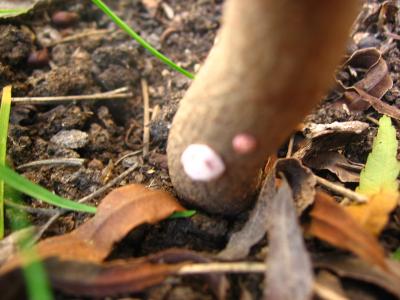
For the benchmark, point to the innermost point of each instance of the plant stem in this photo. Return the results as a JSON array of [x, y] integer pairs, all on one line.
[[140, 40]]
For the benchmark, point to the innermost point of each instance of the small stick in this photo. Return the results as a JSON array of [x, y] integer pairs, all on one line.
[[85, 34], [146, 117], [356, 197], [225, 267], [134, 153], [290, 147], [373, 120], [31, 210], [42, 229], [326, 293], [60, 212], [109, 184], [74, 162], [49, 100]]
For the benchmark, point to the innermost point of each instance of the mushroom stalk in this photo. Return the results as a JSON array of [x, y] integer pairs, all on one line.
[[272, 62]]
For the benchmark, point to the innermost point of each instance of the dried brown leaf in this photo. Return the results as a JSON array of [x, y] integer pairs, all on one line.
[[330, 137], [240, 243], [331, 223], [376, 82], [289, 274], [336, 163], [357, 269], [357, 94], [301, 180], [120, 276], [313, 130], [119, 212]]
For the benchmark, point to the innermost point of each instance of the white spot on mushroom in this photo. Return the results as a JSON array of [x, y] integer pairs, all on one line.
[[201, 163], [244, 143]]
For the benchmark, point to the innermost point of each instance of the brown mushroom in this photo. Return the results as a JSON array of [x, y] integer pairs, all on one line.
[[272, 62]]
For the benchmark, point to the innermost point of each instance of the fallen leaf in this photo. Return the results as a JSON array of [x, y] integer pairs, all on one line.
[[14, 8], [378, 180], [301, 180], [329, 137], [254, 230], [376, 82], [119, 212], [313, 130], [357, 269], [376, 103], [289, 274], [118, 277], [331, 223], [336, 163]]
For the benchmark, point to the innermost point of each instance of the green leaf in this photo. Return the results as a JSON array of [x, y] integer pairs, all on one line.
[[125, 27], [25, 186], [13, 8], [396, 255], [182, 214], [382, 167], [4, 119]]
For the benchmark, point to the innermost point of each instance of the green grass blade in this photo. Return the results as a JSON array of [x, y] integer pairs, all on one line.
[[25, 186], [382, 167], [140, 40], [36, 278], [396, 255], [182, 214], [4, 119]]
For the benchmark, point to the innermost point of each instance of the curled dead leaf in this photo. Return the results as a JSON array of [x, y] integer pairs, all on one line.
[[376, 82], [331, 223], [120, 211], [301, 180], [336, 163], [357, 269], [288, 260]]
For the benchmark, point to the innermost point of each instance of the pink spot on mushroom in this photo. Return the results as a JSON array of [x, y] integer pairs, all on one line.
[[201, 163], [244, 143]]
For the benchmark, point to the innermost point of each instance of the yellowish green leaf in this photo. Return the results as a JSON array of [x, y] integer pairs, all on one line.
[[378, 181]]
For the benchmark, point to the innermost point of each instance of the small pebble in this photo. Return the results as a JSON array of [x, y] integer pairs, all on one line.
[[39, 58], [70, 139], [64, 18]]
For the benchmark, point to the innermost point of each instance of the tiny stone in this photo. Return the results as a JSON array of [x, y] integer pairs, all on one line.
[[70, 139]]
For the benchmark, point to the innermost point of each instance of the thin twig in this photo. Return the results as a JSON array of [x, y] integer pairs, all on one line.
[[85, 34], [134, 153], [146, 117], [74, 162], [373, 120], [31, 210], [60, 212], [46, 226], [225, 267], [109, 184], [356, 197], [290, 147], [49, 100], [326, 293]]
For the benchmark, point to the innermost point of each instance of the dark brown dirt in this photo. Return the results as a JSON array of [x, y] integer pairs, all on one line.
[[113, 129]]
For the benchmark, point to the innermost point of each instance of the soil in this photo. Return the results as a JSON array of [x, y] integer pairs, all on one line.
[[104, 132]]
